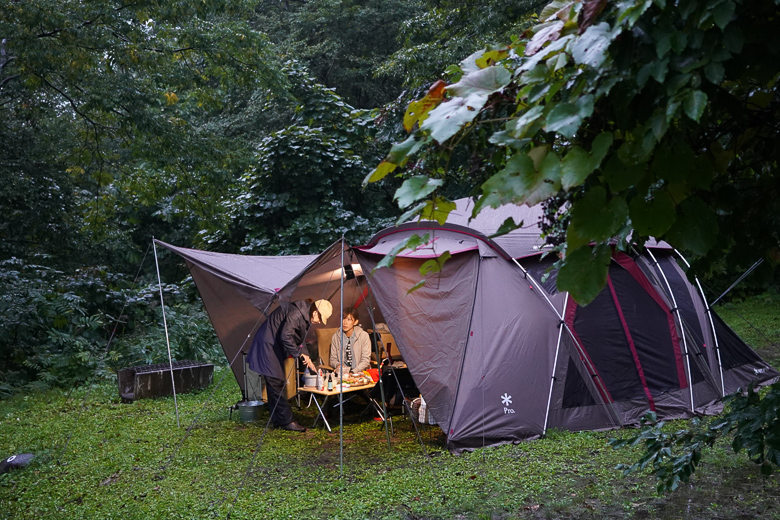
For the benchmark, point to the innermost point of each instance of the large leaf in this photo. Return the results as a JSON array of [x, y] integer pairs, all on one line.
[[696, 228], [653, 216], [438, 210], [584, 272], [593, 218], [694, 104], [566, 118], [400, 152], [546, 32], [556, 9], [416, 188], [591, 47], [519, 128], [578, 163], [447, 119], [412, 242], [418, 110], [380, 172], [520, 183], [483, 82]]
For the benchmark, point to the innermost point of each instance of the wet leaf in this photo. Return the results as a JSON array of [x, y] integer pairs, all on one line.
[[447, 119], [591, 48], [578, 163], [695, 229], [694, 104], [380, 172], [584, 272], [482, 82], [652, 216], [418, 110], [416, 188]]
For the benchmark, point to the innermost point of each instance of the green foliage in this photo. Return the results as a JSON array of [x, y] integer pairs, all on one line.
[[752, 420], [119, 112], [445, 31], [640, 116], [342, 42], [57, 327], [302, 188]]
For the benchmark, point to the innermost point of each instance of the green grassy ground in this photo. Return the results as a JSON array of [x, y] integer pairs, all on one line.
[[132, 461]]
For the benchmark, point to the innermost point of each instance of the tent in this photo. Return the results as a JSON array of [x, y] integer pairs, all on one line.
[[498, 355]]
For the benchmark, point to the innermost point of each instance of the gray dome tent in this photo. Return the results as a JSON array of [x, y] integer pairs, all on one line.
[[499, 356]]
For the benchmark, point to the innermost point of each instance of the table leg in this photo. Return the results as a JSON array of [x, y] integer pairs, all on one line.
[[322, 413]]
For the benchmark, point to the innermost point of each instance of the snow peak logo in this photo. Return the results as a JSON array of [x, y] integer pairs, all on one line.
[[506, 400]]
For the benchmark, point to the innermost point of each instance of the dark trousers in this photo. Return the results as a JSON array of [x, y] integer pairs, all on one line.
[[277, 401]]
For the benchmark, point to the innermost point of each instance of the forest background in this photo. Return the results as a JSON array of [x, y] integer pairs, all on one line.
[[233, 126], [250, 127]]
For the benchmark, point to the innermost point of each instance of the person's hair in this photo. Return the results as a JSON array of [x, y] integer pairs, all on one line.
[[351, 311], [312, 308]]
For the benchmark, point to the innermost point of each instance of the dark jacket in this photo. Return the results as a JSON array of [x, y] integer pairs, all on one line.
[[280, 336]]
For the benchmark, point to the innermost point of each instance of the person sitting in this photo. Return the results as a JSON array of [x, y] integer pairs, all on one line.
[[354, 342]]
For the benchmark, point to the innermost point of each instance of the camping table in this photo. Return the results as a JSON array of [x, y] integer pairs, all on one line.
[[328, 394]]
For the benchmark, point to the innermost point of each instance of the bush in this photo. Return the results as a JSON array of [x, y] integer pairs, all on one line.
[[64, 329]]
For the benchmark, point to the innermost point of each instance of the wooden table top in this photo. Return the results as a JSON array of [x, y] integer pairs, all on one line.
[[314, 390]]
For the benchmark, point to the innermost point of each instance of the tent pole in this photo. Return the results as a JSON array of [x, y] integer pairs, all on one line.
[[682, 328], [598, 381], [165, 325], [712, 325], [555, 367]]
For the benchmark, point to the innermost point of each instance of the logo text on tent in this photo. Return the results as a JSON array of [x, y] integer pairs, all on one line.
[[506, 400]]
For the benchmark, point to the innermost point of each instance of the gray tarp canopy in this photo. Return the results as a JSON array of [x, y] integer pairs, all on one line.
[[238, 291], [498, 357]]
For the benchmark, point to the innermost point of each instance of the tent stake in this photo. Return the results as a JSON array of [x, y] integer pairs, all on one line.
[[167, 341]]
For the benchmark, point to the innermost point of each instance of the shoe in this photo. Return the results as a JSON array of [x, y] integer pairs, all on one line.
[[293, 427]]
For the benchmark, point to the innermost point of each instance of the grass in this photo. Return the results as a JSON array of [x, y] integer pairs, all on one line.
[[131, 461]]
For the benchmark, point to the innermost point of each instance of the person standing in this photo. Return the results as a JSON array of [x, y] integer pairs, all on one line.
[[282, 335]]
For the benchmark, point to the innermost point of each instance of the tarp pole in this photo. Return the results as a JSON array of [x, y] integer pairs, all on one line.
[[540, 290], [712, 325], [744, 275], [555, 367], [341, 362], [682, 328], [165, 325]]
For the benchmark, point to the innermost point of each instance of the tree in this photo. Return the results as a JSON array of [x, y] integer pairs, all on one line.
[[302, 189], [641, 118], [118, 104], [342, 42], [446, 30]]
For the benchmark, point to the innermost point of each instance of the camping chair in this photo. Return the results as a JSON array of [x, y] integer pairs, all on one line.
[[324, 337]]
